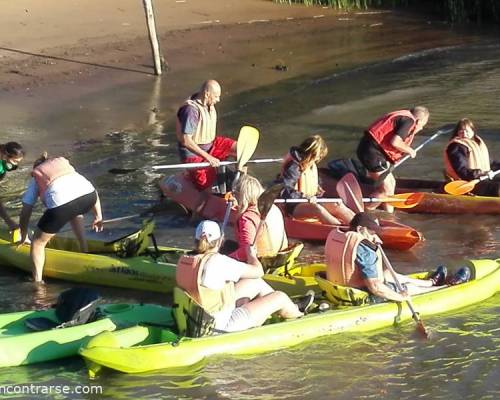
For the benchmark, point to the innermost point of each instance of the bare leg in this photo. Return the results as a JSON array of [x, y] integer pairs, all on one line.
[[415, 286], [340, 211], [37, 251], [386, 188], [265, 301], [310, 210], [79, 231]]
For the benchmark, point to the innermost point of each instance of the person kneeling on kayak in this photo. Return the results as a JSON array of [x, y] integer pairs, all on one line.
[[269, 242], [231, 291], [299, 175], [67, 196], [353, 259], [466, 157]]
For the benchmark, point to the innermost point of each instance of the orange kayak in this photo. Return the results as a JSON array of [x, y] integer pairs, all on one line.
[[431, 202], [180, 189], [393, 234]]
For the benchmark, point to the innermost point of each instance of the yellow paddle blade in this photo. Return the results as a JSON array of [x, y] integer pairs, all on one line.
[[460, 187], [247, 143], [406, 200]]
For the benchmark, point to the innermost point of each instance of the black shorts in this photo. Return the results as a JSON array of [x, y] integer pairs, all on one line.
[[53, 219], [371, 156]]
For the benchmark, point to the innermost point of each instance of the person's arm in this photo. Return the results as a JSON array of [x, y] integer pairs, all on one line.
[[189, 118], [253, 266], [24, 219], [246, 236], [290, 177], [402, 130], [8, 220], [378, 288], [97, 224], [458, 156]]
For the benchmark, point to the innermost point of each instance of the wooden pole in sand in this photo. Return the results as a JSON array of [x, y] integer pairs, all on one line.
[[153, 38]]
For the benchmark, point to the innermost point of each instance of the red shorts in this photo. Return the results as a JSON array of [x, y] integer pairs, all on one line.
[[204, 177]]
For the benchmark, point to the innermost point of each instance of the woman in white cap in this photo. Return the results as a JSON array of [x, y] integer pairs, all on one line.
[[233, 292]]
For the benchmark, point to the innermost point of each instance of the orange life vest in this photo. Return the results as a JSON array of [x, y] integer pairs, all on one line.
[[340, 254], [188, 277], [207, 124], [479, 157], [48, 171], [382, 132], [308, 183]]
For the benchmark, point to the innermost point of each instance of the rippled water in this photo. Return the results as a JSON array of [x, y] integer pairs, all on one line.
[[461, 360]]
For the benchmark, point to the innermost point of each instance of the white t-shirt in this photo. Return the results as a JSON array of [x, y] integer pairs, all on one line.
[[218, 270], [63, 190]]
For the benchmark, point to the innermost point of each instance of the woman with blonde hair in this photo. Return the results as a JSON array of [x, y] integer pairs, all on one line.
[[232, 292], [268, 243], [299, 175], [466, 157]]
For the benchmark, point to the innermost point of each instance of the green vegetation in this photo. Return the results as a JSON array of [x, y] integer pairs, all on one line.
[[454, 10]]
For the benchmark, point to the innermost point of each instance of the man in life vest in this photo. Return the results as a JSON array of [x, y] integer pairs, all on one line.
[[385, 142], [67, 195], [466, 157], [196, 130], [353, 259]]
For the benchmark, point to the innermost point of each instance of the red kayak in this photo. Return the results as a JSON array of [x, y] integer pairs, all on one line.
[[180, 189]]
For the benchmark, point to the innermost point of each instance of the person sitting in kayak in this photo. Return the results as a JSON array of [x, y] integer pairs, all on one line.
[[231, 291], [67, 195], [466, 157], [269, 241], [353, 259], [11, 154], [196, 130], [385, 142], [299, 175]]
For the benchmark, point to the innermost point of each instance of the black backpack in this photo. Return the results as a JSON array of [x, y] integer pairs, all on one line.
[[74, 306]]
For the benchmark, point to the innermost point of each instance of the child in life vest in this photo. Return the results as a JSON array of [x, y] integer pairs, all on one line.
[[299, 174], [231, 291]]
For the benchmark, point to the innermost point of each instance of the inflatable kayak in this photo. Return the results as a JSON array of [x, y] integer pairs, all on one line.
[[143, 349], [20, 346], [431, 202], [180, 189]]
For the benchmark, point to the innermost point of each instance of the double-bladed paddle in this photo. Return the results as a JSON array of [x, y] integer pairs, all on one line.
[[403, 200], [438, 133], [463, 187]]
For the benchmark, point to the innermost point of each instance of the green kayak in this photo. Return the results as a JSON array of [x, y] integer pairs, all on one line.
[[20, 346], [142, 349]]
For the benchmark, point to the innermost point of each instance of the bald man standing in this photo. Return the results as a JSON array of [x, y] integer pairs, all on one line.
[[196, 134]]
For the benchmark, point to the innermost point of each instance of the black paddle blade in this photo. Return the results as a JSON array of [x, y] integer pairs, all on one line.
[[266, 199], [119, 171]]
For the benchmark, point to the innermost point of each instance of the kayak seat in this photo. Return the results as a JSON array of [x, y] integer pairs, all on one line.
[[341, 295], [284, 258], [74, 307], [191, 319], [134, 244]]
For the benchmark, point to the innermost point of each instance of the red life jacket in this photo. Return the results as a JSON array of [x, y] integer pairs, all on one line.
[[382, 132], [48, 171]]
